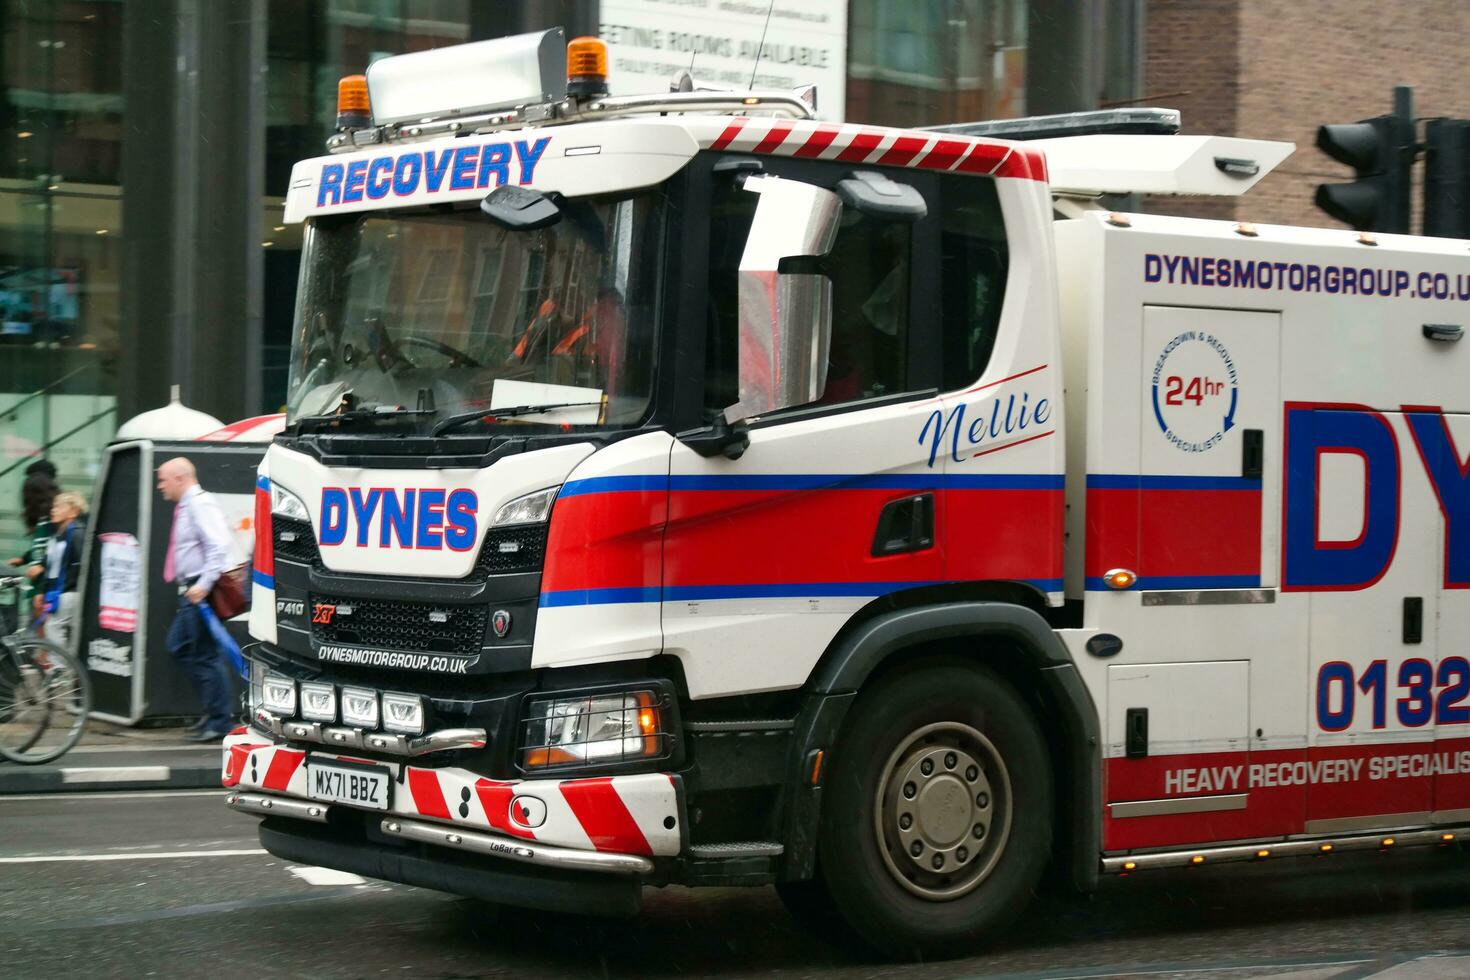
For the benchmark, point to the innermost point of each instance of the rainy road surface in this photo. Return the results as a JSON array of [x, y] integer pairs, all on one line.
[[173, 885]]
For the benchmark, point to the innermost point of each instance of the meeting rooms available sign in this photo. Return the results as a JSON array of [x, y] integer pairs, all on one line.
[[651, 41]]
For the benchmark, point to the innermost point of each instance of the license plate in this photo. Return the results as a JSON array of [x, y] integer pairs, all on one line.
[[364, 787]]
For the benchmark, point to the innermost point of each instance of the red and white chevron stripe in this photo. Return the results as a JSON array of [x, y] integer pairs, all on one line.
[[852, 143], [637, 814]]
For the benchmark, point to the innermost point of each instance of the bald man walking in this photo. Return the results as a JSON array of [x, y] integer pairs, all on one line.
[[198, 554]]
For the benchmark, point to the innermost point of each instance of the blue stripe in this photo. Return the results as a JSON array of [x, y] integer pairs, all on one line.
[[262, 483], [1127, 481], [1004, 481], [816, 481], [596, 597], [613, 484], [797, 590], [1182, 582], [262, 579]]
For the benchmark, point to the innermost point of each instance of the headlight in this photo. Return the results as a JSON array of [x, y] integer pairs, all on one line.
[[619, 727], [288, 505], [533, 508], [359, 707], [318, 701], [278, 695], [403, 713], [257, 679]]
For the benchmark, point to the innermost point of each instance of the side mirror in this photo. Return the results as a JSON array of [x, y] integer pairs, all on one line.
[[785, 317]]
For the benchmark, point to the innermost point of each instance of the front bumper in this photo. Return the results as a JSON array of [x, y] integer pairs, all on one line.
[[638, 815]]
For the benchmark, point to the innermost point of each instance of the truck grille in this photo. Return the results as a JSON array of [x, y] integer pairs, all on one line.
[[388, 624], [294, 541], [519, 548]]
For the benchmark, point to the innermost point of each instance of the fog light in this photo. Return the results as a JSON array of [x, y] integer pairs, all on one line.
[[359, 707], [318, 701], [403, 713], [278, 694]]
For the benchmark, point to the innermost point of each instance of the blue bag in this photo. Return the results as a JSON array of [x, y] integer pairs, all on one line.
[[222, 638]]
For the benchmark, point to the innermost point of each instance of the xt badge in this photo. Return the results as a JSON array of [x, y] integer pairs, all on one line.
[[500, 622], [323, 612]]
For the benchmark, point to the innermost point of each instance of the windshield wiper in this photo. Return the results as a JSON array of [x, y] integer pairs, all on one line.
[[358, 415], [453, 421]]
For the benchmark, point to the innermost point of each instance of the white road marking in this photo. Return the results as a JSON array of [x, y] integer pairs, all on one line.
[[143, 749], [147, 794], [325, 876], [142, 856], [113, 774]]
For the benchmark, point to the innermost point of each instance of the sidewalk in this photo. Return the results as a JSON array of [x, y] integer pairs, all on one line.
[[112, 757]]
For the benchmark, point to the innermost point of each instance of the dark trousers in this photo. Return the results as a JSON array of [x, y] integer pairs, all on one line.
[[192, 646]]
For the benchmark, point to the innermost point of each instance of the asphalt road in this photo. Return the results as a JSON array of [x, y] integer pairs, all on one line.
[[173, 885]]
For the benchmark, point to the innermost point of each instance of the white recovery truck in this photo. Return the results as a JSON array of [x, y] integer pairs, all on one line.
[[681, 489]]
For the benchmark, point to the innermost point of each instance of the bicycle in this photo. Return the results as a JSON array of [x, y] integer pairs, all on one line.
[[45, 694]]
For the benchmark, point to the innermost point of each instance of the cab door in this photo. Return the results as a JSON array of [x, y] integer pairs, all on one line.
[[833, 503]]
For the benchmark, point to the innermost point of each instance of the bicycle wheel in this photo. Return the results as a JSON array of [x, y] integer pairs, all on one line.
[[45, 697]]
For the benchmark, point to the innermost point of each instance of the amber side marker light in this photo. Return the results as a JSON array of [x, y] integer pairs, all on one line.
[[1197, 859], [1325, 848], [1388, 842], [1263, 853], [354, 111], [586, 67], [1120, 578], [1446, 837]]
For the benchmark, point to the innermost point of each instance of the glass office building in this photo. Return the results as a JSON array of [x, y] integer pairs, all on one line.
[[145, 146]]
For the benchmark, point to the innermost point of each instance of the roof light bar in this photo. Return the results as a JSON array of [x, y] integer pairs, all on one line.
[[1132, 121], [503, 73]]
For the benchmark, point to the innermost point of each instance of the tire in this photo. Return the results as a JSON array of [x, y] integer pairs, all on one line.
[[960, 743], [45, 698]]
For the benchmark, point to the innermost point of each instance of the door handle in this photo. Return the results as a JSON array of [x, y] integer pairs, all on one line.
[[905, 525]]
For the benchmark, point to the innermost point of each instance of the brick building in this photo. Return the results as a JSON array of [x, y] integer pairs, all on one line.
[[1276, 69]]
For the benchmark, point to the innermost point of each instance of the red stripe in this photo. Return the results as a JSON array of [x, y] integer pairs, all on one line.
[[604, 816], [495, 799], [762, 537], [1162, 532], [264, 560], [1285, 807], [944, 154], [993, 384], [428, 795], [862, 144], [1013, 445], [235, 764], [773, 139], [904, 149], [818, 141], [283, 766], [1026, 162], [1021, 531], [239, 731], [606, 540], [731, 131], [983, 158]]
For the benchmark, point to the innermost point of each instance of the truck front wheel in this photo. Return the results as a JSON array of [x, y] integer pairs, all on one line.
[[937, 821]]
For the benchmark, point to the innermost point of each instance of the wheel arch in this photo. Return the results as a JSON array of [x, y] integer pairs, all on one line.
[[1011, 639]]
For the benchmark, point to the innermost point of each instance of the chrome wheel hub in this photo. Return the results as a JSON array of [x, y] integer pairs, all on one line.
[[943, 810]]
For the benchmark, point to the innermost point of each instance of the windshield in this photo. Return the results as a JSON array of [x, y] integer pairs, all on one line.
[[445, 309]]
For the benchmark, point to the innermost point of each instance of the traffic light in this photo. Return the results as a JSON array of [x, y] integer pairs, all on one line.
[[1447, 178], [1381, 151]]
